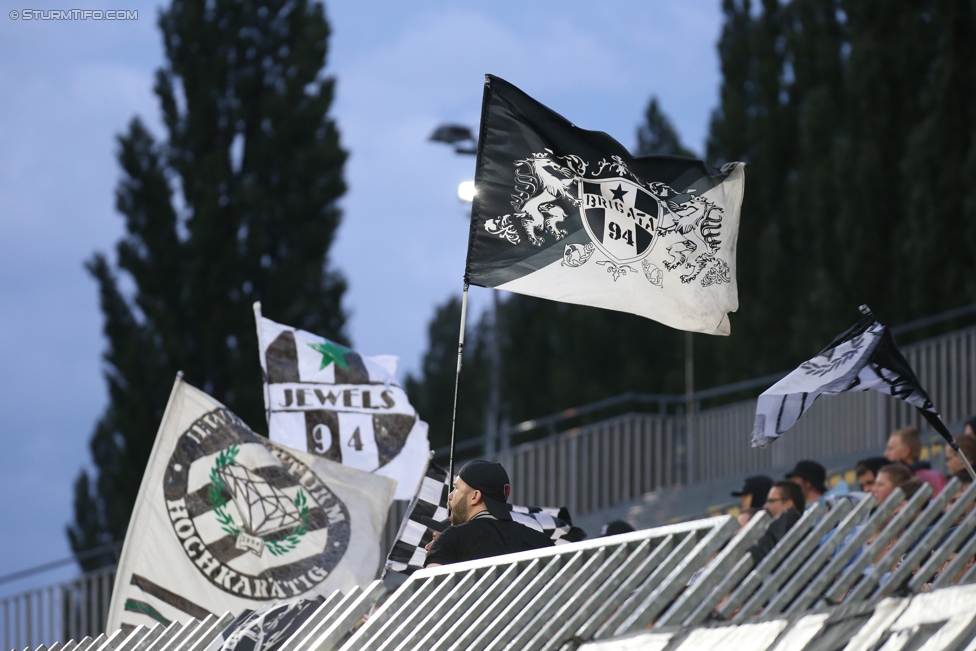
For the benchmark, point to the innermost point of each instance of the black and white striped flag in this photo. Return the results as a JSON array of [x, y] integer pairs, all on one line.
[[408, 553], [333, 402]]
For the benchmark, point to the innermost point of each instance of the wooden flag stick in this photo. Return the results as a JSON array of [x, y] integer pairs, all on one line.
[[457, 378]]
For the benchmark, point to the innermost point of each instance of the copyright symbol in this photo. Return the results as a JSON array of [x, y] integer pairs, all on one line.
[[14, 14]]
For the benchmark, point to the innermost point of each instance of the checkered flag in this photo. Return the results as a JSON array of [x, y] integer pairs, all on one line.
[[408, 553], [555, 523]]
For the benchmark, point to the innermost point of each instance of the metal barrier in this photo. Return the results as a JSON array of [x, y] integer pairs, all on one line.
[[682, 586], [71, 610], [595, 466]]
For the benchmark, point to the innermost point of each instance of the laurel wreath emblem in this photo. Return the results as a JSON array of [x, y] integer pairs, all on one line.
[[277, 547]]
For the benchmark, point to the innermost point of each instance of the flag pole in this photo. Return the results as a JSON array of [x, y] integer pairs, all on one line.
[[262, 352], [457, 377]]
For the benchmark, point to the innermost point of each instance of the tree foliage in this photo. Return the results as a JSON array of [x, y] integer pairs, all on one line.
[[237, 204]]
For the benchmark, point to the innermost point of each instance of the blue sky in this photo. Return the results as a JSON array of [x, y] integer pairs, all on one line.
[[402, 68]]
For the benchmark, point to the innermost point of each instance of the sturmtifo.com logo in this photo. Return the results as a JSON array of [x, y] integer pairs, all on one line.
[[256, 521]]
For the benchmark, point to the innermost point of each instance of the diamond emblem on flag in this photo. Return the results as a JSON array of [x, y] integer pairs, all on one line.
[[264, 509]]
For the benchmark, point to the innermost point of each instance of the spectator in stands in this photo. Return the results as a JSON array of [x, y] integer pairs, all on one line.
[[481, 521], [966, 480], [867, 470], [905, 445], [910, 487], [889, 478], [967, 445], [971, 426], [754, 491], [744, 516], [784, 504], [810, 477], [615, 527]]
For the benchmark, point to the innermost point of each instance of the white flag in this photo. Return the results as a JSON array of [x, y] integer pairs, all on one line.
[[333, 402], [227, 520]]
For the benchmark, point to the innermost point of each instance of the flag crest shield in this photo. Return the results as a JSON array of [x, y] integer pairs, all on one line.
[[620, 217]]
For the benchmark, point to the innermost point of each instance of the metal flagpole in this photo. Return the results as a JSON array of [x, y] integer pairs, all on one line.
[[457, 377]]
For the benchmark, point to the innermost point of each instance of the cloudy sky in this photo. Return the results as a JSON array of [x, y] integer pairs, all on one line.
[[402, 67]]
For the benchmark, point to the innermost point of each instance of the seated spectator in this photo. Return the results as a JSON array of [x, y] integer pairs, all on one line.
[[905, 445], [967, 445], [784, 504], [867, 470], [754, 491], [616, 527], [889, 478], [810, 477], [910, 487], [971, 427], [966, 480], [744, 516]]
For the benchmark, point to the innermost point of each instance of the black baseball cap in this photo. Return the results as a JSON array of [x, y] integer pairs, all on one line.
[[812, 471], [491, 479], [758, 486]]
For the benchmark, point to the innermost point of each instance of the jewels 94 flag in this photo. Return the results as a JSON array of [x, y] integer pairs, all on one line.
[[326, 399], [864, 358], [569, 215], [227, 520]]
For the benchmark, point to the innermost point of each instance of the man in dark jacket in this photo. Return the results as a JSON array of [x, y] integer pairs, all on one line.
[[785, 505], [481, 521]]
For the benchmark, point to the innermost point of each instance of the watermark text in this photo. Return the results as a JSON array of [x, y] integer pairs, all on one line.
[[74, 14]]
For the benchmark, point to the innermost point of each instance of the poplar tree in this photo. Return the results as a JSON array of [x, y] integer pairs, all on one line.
[[754, 122], [237, 203], [940, 164]]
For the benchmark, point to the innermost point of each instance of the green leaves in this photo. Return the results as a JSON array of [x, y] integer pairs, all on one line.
[[289, 542]]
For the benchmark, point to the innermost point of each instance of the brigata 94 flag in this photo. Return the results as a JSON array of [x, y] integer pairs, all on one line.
[[569, 215], [326, 399], [227, 520]]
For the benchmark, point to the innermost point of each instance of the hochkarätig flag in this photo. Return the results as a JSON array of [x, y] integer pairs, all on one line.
[[333, 402], [228, 521], [569, 215]]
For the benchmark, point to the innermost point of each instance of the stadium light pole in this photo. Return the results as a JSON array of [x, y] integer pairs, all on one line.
[[463, 140]]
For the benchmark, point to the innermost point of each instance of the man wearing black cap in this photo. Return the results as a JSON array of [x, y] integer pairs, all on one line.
[[481, 520], [754, 491], [810, 477]]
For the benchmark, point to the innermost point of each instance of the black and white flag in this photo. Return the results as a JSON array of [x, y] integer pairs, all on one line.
[[570, 215], [865, 358], [229, 521], [326, 399], [408, 553], [266, 628], [430, 501]]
